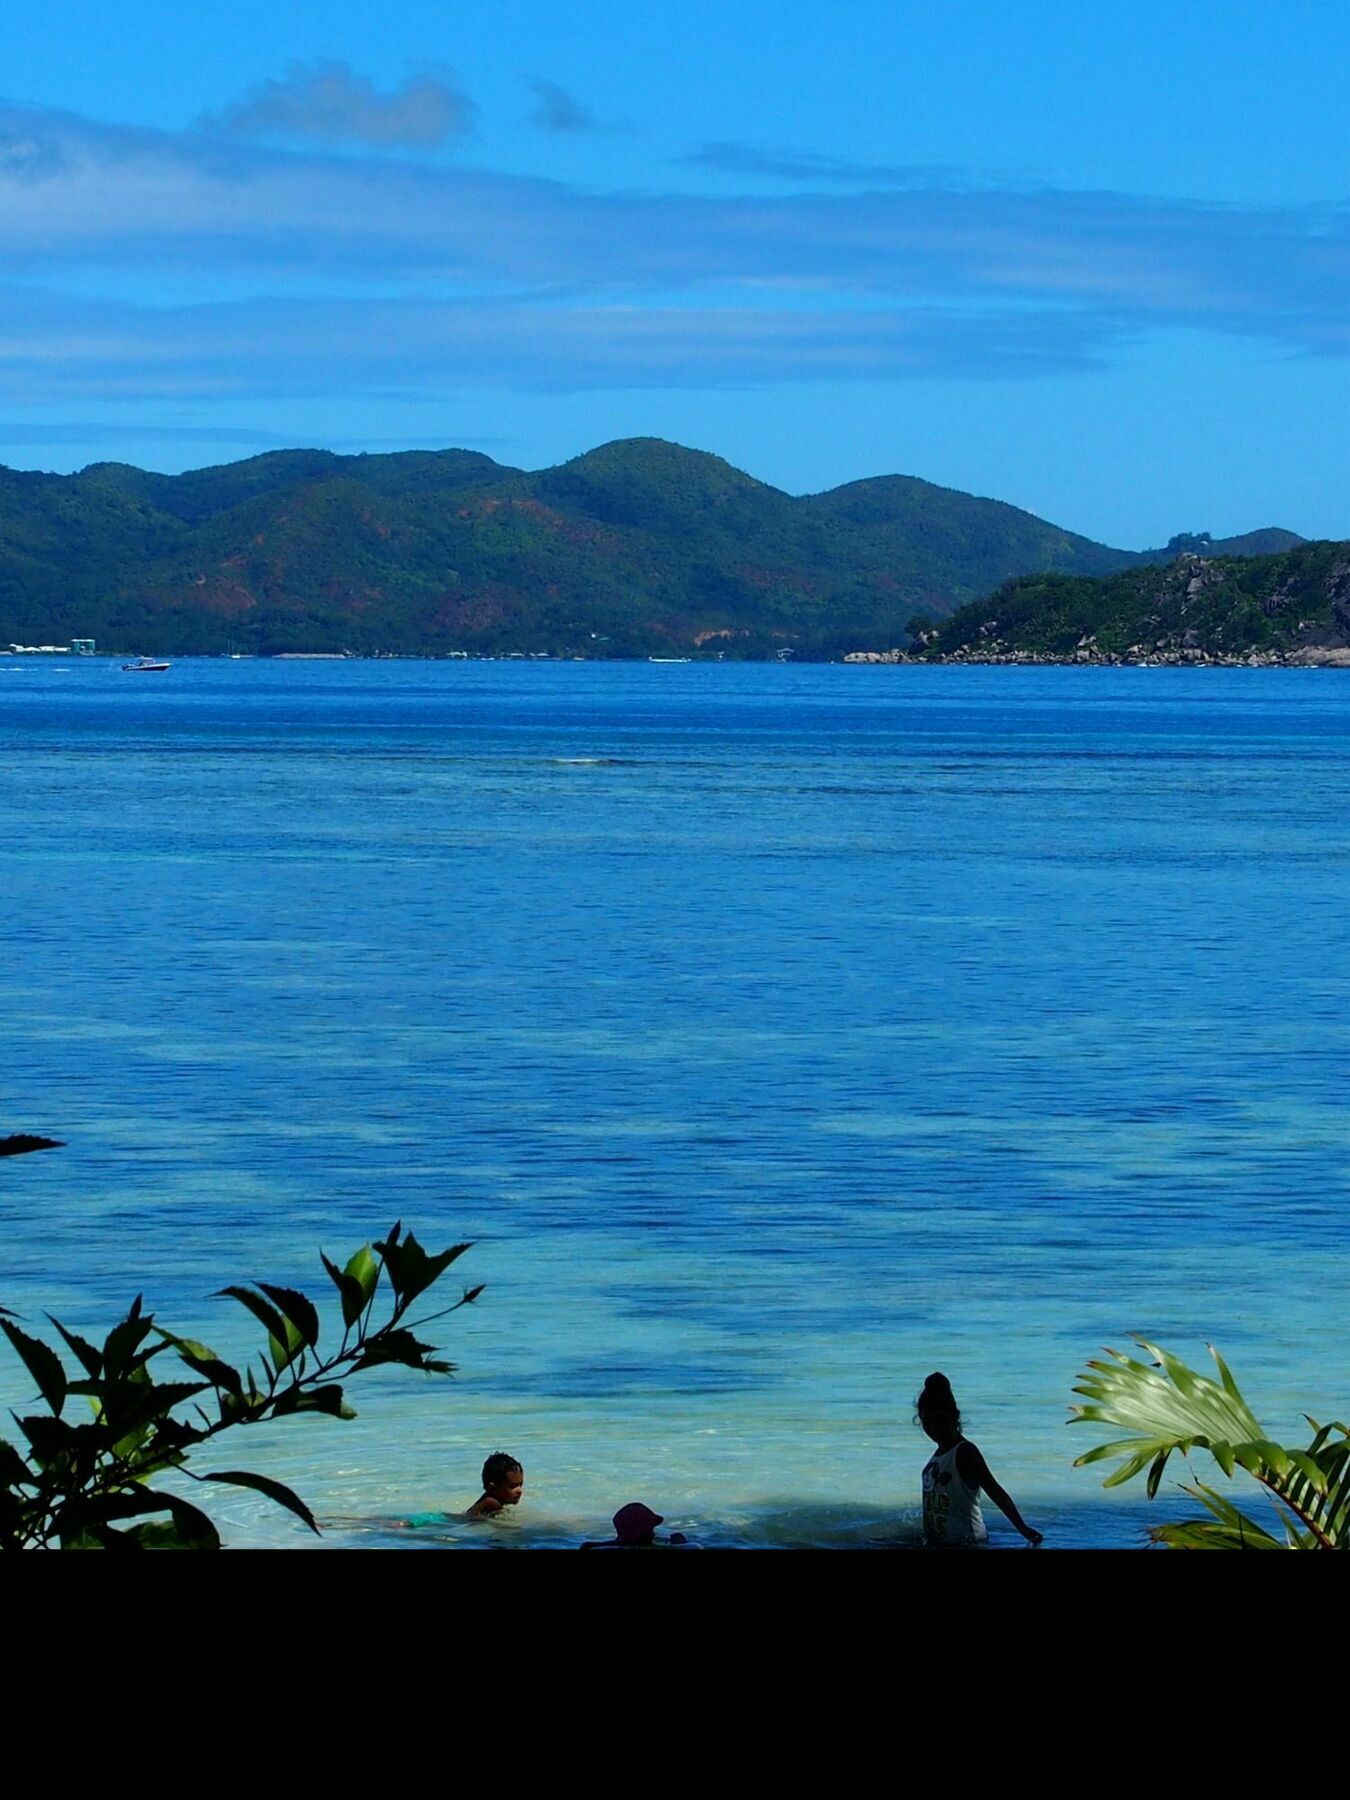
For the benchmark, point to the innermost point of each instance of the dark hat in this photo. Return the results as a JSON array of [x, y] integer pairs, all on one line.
[[635, 1521]]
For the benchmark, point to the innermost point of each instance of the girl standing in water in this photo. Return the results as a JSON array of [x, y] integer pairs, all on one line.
[[954, 1476]]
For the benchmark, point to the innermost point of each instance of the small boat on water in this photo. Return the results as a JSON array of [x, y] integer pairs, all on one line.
[[144, 665], [670, 659]]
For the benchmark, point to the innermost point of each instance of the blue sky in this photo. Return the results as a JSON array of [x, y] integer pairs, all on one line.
[[1090, 259]]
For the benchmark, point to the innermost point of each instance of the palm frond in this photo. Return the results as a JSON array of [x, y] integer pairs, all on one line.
[[1228, 1529], [1167, 1409]]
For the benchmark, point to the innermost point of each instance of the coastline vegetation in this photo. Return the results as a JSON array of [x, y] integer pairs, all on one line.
[[1168, 1409], [85, 1484], [1293, 606]]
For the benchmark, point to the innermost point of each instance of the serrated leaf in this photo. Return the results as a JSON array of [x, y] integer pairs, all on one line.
[[265, 1313], [298, 1308], [51, 1438], [394, 1347], [42, 1363], [205, 1362], [411, 1270], [14, 1471], [129, 1408], [85, 1353], [122, 1345], [327, 1399]]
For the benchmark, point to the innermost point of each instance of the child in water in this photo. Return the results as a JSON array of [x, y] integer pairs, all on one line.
[[503, 1484], [955, 1475], [635, 1529]]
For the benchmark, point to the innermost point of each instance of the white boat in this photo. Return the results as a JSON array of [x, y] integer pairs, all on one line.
[[144, 665], [670, 659]]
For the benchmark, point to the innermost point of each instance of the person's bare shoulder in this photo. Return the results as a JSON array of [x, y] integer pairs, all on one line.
[[970, 1463]]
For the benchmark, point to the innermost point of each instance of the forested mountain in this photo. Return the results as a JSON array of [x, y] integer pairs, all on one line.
[[638, 547], [1291, 607]]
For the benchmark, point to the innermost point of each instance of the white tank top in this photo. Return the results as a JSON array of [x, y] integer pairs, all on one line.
[[951, 1507]]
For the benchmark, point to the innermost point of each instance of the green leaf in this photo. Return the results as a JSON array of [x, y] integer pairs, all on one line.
[[364, 1269], [158, 1534], [1169, 1409], [1233, 1530], [350, 1289], [411, 1270], [297, 1308], [274, 1490], [1204, 1534], [51, 1439], [1155, 1473], [93, 1513], [127, 1446], [1225, 1456], [97, 1537], [330, 1400], [284, 1354], [234, 1407], [140, 1403], [122, 1345], [327, 1399], [195, 1530], [400, 1347], [42, 1363], [1225, 1375], [206, 1363], [266, 1315]]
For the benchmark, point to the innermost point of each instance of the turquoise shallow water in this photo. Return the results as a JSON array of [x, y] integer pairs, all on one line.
[[777, 1034]]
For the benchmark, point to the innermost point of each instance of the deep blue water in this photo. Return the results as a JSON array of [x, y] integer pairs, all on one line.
[[778, 1034]]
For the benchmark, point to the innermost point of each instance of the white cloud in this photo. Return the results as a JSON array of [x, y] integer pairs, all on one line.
[[54, 352], [417, 274]]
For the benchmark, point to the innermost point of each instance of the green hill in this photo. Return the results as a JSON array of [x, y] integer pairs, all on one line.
[[638, 547], [1293, 606]]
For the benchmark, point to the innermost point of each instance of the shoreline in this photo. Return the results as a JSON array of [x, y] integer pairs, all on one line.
[[1311, 657]]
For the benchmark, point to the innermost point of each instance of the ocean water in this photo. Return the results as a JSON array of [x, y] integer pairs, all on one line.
[[777, 1034]]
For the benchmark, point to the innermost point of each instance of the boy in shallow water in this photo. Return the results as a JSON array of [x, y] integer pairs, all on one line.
[[635, 1529], [503, 1484]]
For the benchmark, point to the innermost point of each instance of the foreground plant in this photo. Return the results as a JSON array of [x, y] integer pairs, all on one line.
[[80, 1485], [1168, 1408]]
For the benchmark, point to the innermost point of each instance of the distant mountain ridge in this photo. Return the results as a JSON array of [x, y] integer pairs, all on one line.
[[638, 547]]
